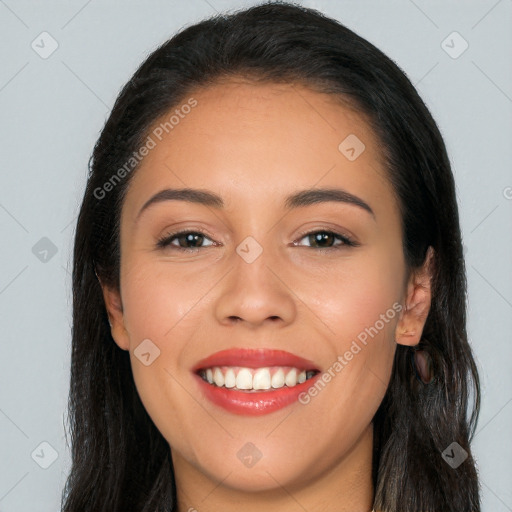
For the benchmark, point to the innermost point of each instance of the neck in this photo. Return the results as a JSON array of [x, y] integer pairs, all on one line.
[[344, 487]]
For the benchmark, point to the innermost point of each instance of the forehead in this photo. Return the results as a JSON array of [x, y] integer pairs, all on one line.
[[257, 142]]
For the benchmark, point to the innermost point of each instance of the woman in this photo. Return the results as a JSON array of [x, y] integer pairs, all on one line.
[[269, 287]]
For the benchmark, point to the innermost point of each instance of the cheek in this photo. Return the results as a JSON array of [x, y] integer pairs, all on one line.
[[361, 305], [158, 298], [160, 309], [164, 307], [355, 296], [171, 408]]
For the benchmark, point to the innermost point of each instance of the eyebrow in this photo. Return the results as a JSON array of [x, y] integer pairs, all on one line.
[[299, 199]]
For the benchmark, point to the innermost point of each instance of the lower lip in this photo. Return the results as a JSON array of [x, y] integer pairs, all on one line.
[[254, 403]]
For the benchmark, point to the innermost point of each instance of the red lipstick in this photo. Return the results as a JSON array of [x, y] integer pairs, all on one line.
[[252, 402], [254, 358]]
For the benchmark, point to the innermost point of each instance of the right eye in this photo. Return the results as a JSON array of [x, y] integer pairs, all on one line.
[[183, 238]]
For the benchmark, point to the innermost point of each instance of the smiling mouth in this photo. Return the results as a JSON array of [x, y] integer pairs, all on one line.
[[268, 378]]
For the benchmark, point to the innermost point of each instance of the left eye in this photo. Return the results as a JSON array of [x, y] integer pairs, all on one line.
[[325, 237]]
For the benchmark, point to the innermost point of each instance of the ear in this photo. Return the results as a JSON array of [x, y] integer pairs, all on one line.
[[114, 308], [417, 305]]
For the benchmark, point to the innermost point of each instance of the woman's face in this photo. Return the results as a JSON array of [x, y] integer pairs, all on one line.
[[261, 275]]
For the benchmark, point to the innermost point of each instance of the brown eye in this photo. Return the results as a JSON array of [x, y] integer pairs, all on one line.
[[185, 240], [326, 240]]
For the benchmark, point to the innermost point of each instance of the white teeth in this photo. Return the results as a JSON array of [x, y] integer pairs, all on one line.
[[218, 377], [278, 379], [261, 379], [291, 378], [244, 379], [256, 379], [230, 378]]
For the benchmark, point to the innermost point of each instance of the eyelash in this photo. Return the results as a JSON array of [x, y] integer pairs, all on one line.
[[165, 241]]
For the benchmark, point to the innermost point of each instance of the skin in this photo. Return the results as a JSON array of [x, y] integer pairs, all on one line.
[[254, 144]]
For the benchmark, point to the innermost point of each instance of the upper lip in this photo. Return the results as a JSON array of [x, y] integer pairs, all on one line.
[[254, 358]]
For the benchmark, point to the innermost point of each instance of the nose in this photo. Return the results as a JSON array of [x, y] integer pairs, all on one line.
[[256, 293]]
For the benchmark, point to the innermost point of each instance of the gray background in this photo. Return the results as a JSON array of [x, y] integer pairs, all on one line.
[[53, 108]]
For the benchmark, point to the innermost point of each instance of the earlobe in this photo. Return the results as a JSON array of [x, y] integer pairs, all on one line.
[[417, 306], [114, 308]]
